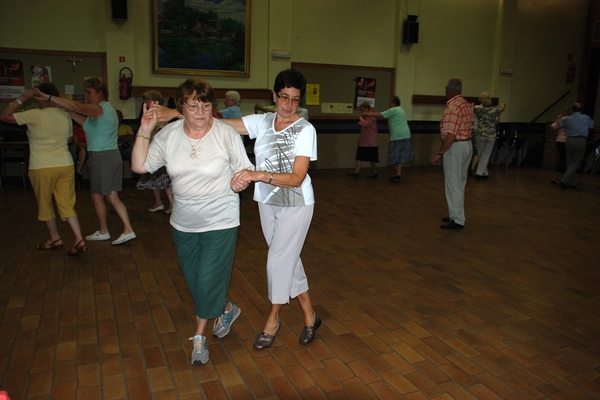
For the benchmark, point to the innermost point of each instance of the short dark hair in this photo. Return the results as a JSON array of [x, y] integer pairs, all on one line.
[[395, 100], [203, 90], [48, 88], [454, 85], [97, 85], [290, 78], [576, 107]]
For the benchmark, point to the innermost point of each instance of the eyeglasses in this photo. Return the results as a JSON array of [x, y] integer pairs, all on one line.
[[195, 107], [285, 98]]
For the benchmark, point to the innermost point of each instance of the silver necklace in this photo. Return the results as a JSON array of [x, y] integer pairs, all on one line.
[[195, 152]]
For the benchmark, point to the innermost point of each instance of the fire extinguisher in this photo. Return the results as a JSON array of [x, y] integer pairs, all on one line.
[[125, 84], [571, 73]]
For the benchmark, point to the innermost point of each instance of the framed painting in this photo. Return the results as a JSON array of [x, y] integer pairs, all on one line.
[[202, 37]]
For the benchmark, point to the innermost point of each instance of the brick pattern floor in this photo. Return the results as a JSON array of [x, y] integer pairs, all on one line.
[[507, 308]]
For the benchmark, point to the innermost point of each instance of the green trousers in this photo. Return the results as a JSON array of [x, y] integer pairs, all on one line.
[[206, 260]]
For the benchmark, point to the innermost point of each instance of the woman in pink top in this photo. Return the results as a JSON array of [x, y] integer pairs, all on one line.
[[368, 149], [561, 140]]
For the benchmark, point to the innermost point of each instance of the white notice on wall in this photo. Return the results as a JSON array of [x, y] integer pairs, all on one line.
[[326, 108], [339, 108], [69, 89]]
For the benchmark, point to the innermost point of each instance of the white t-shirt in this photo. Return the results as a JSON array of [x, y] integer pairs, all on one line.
[[276, 152], [203, 200]]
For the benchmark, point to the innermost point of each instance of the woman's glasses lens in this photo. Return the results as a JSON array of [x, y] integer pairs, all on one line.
[[286, 98], [194, 107]]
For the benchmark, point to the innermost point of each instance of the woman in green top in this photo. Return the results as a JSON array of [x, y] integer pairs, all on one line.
[[400, 147]]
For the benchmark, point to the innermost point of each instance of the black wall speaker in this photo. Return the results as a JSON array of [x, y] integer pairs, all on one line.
[[119, 10], [411, 30]]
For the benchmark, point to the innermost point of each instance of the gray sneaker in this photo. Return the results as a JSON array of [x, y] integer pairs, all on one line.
[[223, 323], [200, 352]]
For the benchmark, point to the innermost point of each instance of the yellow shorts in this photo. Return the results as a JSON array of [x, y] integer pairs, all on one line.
[[58, 182]]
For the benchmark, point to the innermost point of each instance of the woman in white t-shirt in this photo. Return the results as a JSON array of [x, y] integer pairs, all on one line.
[[285, 146], [201, 155]]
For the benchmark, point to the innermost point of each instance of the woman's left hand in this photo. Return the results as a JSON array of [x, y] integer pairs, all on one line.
[[241, 180]]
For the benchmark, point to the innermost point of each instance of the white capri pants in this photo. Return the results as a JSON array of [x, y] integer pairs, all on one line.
[[285, 229]]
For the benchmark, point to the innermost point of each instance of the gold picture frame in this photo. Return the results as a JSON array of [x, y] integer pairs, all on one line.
[[201, 37]]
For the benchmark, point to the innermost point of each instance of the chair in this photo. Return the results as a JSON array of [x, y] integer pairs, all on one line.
[[506, 148], [520, 149], [502, 148]]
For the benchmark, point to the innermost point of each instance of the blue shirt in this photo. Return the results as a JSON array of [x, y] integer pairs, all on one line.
[[577, 124], [232, 112]]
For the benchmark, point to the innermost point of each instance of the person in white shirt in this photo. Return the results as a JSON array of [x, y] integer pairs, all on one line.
[[201, 155], [285, 146]]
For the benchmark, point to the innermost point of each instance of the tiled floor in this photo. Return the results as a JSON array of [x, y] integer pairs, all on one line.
[[507, 308]]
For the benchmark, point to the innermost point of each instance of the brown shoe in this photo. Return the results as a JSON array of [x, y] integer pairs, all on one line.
[[50, 245], [308, 334], [78, 249], [264, 340]]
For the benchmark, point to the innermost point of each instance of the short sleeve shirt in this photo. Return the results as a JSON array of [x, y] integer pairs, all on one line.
[[232, 112], [576, 124], [203, 199], [48, 131], [125, 130], [368, 132], [486, 120], [398, 123], [276, 151], [457, 118], [101, 134]]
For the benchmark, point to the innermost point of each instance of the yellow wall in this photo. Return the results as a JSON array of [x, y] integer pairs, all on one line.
[[349, 32], [545, 33], [470, 39]]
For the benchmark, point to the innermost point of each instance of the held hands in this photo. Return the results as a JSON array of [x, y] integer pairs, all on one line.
[[241, 180], [36, 94], [27, 94], [164, 114], [149, 118]]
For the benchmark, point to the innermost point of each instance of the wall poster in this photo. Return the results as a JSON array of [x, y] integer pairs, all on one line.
[[12, 80], [40, 73], [313, 94], [365, 91]]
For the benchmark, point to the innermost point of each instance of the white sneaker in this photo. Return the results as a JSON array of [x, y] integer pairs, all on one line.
[[222, 324], [125, 237], [200, 352], [98, 236]]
